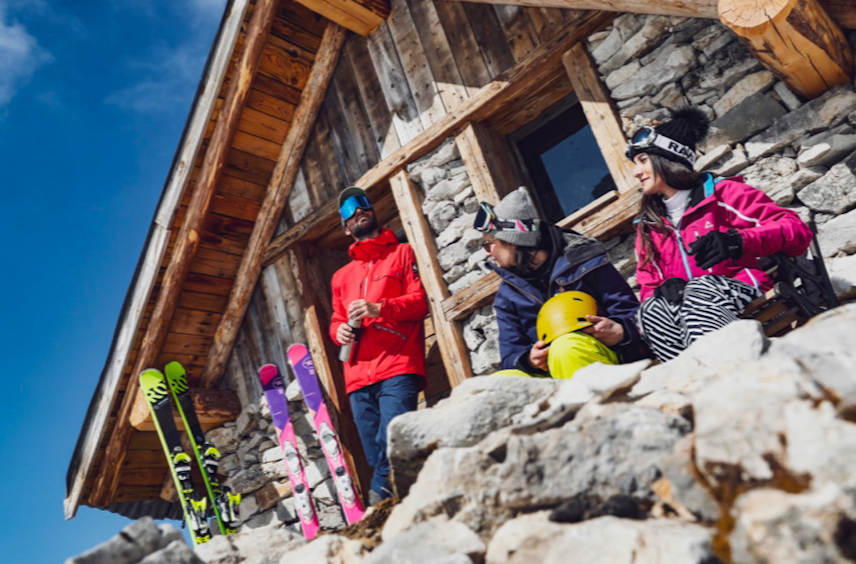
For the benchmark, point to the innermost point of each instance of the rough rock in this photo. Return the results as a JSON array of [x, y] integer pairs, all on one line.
[[731, 164], [842, 272], [670, 65], [456, 253], [249, 548], [618, 76], [670, 97], [824, 112], [445, 153], [455, 273], [486, 360], [640, 43], [465, 281], [252, 478], [820, 444], [774, 176], [131, 545], [224, 438], [476, 408], [624, 27], [725, 68], [806, 528], [455, 229], [442, 215], [755, 113], [329, 549], [248, 507], [745, 87], [828, 152], [835, 191], [716, 154], [448, 188], [177, 552], [838, 235], [788, 98], [731, 346], [605, 540], [712, 38], [428, 542]]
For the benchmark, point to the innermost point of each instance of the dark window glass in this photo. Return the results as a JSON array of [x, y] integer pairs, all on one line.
[[565, 163]]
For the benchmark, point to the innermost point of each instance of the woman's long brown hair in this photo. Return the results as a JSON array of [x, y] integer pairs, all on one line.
[[652, 210]]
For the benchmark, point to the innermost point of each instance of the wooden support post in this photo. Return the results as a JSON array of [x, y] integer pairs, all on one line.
[[489, 161], [456, 356], [317, 304], [600, 114], [795, 39], [186, 243], [360, 16], [278, 192]]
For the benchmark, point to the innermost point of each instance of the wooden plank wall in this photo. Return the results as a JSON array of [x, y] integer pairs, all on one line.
[[285, 63], [421, 64]]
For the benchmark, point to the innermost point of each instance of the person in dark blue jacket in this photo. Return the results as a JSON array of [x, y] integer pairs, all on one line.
[[537, 260]]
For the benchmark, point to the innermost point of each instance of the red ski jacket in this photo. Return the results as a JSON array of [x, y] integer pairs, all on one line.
[[720, 204], [383, 271]]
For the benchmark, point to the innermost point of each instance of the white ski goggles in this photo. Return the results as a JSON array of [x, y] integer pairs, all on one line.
[[647, 138]]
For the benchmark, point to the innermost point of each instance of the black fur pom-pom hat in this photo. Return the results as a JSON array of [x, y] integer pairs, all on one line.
[[675, 139]]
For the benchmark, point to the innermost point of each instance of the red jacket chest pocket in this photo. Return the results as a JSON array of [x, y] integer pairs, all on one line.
[[385, 286]]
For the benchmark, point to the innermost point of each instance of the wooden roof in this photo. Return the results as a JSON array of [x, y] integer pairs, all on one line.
[[287, 57]]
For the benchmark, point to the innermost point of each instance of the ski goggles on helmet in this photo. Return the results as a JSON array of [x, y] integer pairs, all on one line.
[[350, 206], [486, 221], [646, 138]]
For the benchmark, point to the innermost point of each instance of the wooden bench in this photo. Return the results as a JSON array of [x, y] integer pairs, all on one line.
[[802, 289]]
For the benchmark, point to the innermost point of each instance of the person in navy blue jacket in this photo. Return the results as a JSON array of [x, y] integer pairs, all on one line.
[[537, 260]]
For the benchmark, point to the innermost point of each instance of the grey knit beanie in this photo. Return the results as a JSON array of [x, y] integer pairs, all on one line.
[[517, 205]]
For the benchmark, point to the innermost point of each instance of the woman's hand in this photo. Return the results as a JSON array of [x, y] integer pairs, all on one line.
[[605, 330], [538, 356]]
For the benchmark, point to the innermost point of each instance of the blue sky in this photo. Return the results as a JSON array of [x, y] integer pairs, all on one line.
[[93, 98]]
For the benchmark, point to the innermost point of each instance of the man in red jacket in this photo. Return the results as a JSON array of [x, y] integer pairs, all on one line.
[[381, 289]]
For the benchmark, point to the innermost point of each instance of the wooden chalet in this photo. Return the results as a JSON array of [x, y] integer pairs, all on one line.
[[301, 98]]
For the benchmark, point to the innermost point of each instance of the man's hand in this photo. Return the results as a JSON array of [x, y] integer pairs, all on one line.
[[361, 309], [538, 356], [605, 330], [344, 334]]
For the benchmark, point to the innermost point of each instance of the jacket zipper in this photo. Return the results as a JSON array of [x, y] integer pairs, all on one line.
[[681, 248]]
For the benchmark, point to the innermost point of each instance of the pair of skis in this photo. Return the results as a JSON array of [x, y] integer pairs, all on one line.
[[303, 368], [161, 392]]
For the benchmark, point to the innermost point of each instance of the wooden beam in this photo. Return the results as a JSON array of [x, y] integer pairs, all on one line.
[[605, 223], [510, 87], [795, 39], [186, 243], [278, 192], [214, 407], [601, 115], [843, 12], [360, 16], [317, 304], [489, 162], [456, 356]]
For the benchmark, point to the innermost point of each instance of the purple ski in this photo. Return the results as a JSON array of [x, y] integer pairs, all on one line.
[[304, 370], [275, 396]]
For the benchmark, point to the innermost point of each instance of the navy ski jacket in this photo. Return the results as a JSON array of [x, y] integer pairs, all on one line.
[[517, 304]]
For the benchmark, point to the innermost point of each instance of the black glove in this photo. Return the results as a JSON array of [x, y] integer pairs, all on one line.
[[716, 247], [672, 290]]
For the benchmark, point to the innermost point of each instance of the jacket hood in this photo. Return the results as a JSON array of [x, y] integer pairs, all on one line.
[[373, 249]]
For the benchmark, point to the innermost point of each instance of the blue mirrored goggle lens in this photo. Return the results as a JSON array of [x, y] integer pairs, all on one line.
[[642, 135], [352, 204]]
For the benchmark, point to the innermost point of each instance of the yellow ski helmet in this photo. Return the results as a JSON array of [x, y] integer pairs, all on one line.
[[564, 313]]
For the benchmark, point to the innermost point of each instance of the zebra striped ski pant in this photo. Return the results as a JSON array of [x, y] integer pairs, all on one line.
[[710, 303]]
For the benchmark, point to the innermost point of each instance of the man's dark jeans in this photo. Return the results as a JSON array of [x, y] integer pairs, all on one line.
[[374, 407]]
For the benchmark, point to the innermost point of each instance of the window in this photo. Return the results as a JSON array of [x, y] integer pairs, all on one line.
[[563, 160]]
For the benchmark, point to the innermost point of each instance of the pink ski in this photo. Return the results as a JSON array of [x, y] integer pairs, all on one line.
[[304, 370], [275, 396]]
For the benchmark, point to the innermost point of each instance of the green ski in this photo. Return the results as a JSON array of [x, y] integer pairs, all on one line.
[[157, 394], [224, 503]]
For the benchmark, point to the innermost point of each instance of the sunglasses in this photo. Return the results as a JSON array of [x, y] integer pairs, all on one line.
[[351, 205], [486, 221]]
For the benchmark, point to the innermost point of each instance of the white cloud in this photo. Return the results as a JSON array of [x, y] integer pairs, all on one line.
[[20, 56], [170, 75]]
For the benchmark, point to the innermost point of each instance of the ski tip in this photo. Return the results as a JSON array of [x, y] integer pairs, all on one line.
[[173, 369], [296, 353], [150, 376], [268, 372]]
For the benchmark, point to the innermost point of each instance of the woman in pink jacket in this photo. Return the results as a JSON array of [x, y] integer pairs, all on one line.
[[699, 238]]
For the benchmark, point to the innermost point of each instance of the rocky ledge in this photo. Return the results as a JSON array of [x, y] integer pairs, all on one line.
[[740, 450]]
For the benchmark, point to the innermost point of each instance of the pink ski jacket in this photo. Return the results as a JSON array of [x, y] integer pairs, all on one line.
[[720, 204]]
